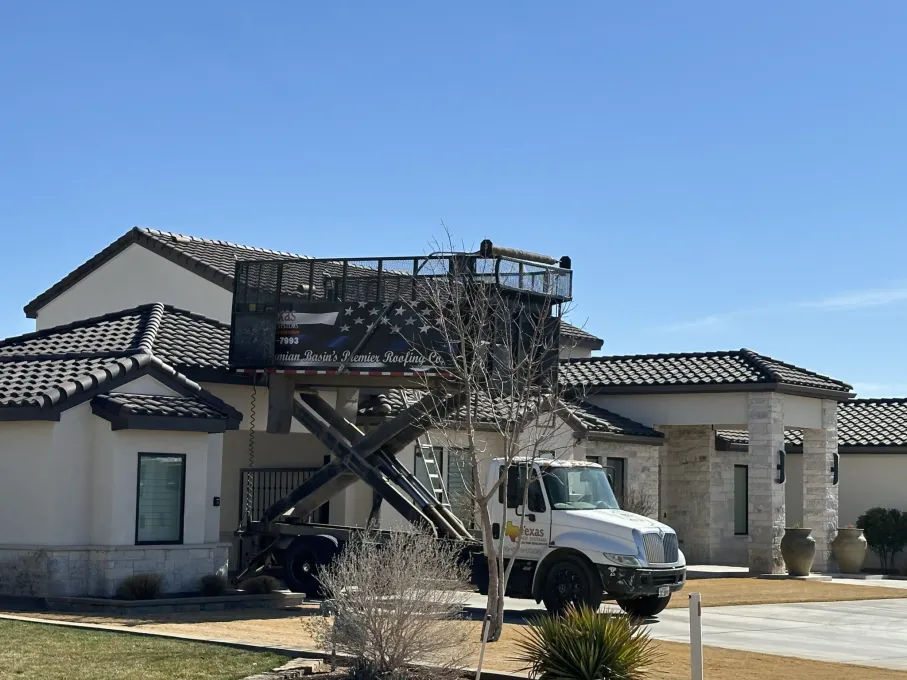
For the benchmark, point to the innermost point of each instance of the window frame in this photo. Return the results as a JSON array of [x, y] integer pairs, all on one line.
[[746, 500], [138, 490], [620, 480]]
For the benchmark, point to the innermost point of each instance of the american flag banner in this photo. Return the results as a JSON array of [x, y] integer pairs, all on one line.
[[399, 337]]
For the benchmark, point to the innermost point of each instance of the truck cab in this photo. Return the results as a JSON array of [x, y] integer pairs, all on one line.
[[573, 544]]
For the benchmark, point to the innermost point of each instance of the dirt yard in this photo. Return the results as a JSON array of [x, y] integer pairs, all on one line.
[[722, 592]]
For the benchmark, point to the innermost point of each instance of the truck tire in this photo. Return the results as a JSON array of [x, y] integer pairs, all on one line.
[[301, 562], [644, 607], [571, 581]]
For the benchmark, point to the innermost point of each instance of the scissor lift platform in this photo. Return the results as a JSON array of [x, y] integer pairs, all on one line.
[[354, 323]]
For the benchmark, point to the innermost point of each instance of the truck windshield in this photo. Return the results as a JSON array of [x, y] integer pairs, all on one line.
[[579, 488]]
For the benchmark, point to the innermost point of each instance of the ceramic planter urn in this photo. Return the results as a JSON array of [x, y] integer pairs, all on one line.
[[798, 549], [849, 549]]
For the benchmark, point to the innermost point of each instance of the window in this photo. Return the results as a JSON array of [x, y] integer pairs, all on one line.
[[516, 487], [460, 485], [741, 501], [617, 475], [160, 498]]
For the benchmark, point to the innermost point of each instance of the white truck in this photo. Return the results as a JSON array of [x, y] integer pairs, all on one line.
[[572, 542]]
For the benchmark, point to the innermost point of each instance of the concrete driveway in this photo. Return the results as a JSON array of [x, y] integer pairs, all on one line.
[[868, 632]]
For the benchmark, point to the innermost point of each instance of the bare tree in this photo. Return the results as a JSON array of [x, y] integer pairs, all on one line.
[[502, 359], [393, 598]]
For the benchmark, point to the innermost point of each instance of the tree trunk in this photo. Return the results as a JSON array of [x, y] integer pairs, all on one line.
[[494, 607]]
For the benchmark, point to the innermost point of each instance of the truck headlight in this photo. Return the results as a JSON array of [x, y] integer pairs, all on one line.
[[622, 560]]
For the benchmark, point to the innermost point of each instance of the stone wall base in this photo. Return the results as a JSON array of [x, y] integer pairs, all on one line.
[[45, 571]]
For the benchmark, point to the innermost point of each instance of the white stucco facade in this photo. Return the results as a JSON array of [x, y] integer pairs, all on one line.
[[70, 516], [150, 277]]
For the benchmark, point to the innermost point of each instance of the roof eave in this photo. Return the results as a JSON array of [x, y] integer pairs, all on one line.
[[783, 388], [625, 438]]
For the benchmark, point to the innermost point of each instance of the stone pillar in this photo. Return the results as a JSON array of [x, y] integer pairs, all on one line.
[[766, 496], [687, 454], [820, 496]]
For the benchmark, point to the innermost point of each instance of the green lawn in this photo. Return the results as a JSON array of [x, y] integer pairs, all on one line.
[[34, 650]]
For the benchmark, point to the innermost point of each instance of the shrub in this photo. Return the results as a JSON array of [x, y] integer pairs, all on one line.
[[140, 587], [886, 533], [585, 645], [393, 598], [213, 585], [637, 502], [260, 585]]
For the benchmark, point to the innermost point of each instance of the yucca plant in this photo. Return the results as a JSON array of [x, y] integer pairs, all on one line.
[[582, 644]]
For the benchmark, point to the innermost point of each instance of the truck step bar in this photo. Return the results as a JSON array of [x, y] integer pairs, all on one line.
[[372, 458]]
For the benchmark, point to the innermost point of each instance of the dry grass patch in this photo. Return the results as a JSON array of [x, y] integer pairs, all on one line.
[[723, 592], [36, 650]]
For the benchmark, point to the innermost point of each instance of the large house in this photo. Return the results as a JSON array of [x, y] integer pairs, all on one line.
[[126, 440]]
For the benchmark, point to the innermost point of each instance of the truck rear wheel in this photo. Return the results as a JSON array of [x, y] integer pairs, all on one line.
[[571, 581], [644, 607], [301, 563]]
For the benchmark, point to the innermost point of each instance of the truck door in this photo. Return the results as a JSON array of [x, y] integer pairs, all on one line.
[[524, 529]]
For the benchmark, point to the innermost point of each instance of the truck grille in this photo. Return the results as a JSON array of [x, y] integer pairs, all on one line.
[[660, 549]]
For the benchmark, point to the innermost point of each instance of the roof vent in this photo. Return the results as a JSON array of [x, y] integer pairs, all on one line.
[[179, 238]]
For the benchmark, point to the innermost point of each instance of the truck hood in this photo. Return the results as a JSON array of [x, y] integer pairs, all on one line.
[[617, 523]]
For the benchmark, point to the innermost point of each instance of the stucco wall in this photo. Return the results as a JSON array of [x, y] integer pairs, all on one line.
[[134, 277], [26, 474]]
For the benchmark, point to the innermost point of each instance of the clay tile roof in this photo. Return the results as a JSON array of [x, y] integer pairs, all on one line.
[[47, 371], [690, 371], [592, 418], [862, 423], [160, 405]]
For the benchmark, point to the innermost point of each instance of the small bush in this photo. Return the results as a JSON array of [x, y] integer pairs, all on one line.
[[260, 585], [886, 533], [213, 585], [393, 599], [585, 645], [140, 587], [366, 669]]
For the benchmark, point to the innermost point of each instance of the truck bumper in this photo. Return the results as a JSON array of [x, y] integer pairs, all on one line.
[[624, 582]]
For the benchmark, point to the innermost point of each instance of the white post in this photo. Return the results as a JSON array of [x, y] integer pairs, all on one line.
[[486, 626], [695, 636]]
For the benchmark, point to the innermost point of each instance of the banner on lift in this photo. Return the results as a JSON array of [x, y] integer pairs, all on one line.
[[326, 335]]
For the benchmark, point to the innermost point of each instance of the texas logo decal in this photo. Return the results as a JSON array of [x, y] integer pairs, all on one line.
[[512, 532]]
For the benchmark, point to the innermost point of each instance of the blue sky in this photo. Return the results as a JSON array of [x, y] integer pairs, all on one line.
[[722, 175]]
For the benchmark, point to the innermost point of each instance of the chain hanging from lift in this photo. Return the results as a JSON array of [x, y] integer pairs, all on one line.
[[249, 489]]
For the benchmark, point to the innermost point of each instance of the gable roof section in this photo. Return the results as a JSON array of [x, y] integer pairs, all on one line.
[[210, 259], [213, 260], [734, 370], [592, 420], [158, 412], [44, 373], [864, 425], [580, 337]]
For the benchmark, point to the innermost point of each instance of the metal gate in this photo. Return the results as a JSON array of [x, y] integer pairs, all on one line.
[[269, 485]]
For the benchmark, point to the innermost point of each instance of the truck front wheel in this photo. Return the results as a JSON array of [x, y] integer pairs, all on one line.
[[571, 581], [644, 607]]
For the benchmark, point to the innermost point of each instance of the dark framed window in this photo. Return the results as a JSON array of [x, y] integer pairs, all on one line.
[[160, 501], [617, 475], [741, 500]]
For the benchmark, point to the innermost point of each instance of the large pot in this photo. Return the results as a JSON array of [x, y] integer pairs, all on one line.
[[798, 549], [849, 549]]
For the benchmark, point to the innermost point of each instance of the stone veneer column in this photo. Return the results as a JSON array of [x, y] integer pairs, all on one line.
[[687, 455], [820, 496], [766, 496]]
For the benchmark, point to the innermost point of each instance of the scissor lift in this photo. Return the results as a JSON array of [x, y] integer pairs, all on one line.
[[315, 324]]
